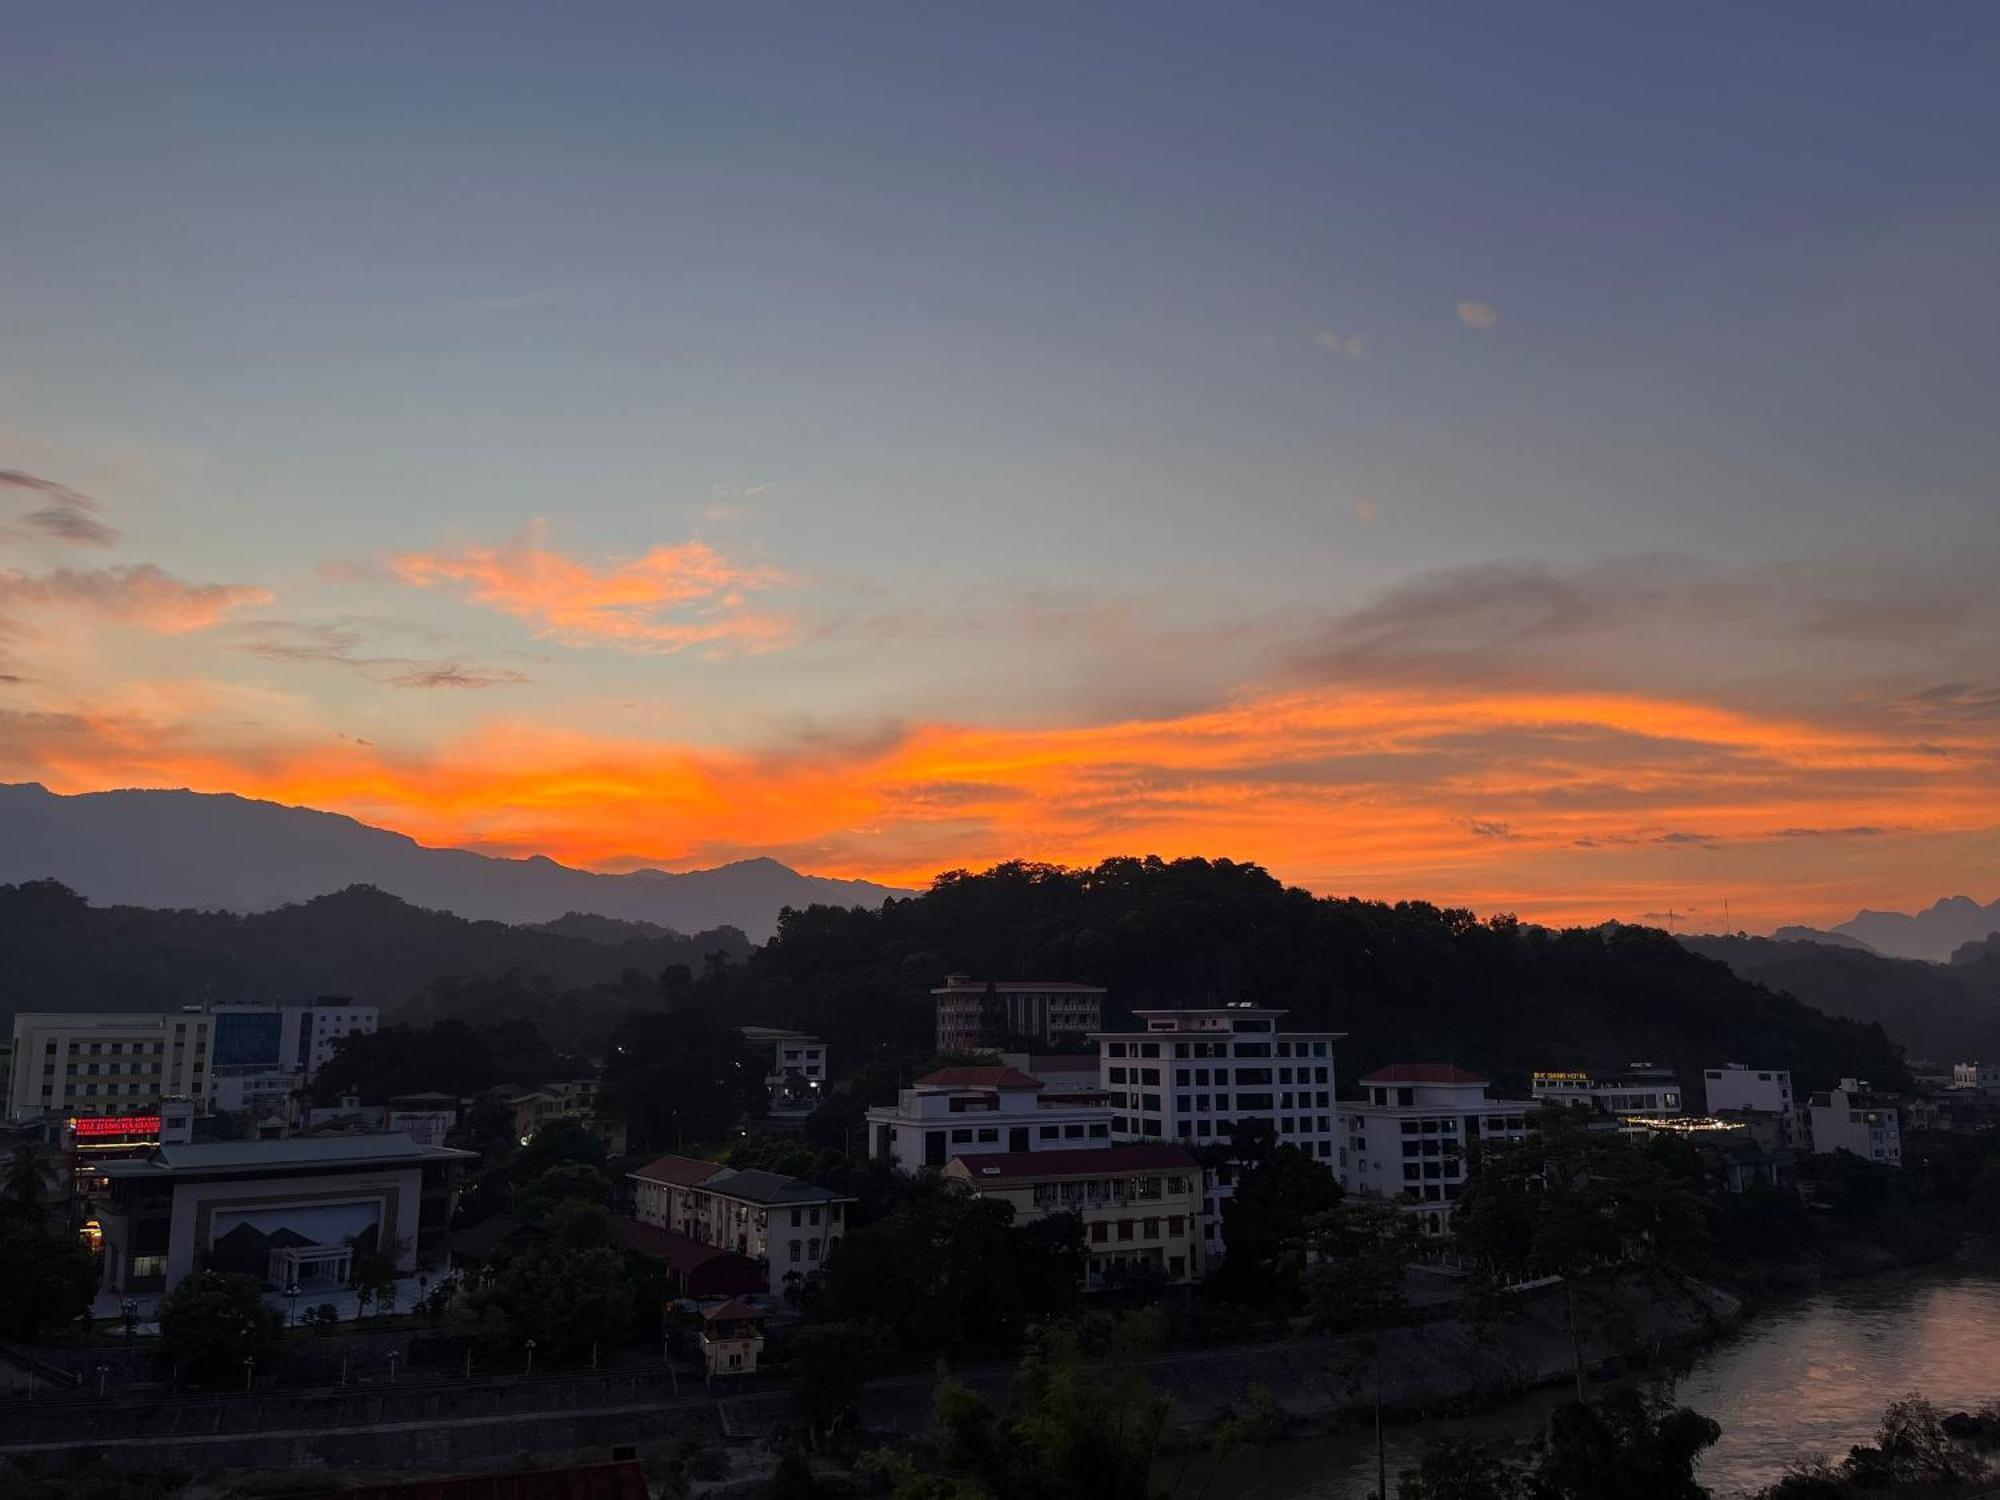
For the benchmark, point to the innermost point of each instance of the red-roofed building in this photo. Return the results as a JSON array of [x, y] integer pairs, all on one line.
[[1140, 1204], [786, 1226], [1407, 1138], [694, 1270], [982, 1110]]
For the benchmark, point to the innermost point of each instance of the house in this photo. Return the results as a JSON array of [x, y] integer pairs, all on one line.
[[1408, 1137], [291, 1212], [1852, 1118], [971, 1111], [1140, 1204], [984, 1015], [1736, 1091], [732, 1337], [1983, 1077], [789, 1227], [568, 1099]]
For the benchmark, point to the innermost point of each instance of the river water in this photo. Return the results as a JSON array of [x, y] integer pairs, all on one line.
[[1810, 1376]]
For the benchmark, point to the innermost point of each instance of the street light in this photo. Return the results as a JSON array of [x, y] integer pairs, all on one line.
[[292, 1305], [394, 1355], [531, 1358], [102, 1371], [249, 1372], [130, 1307]]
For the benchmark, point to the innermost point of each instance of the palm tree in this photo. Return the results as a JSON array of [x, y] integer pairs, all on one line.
[[27, 1175]]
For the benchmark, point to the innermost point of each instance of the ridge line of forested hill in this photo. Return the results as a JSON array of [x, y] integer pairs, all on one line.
[[58, 952], [1407, 981]]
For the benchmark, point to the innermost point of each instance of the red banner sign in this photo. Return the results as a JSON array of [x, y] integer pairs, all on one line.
[[85, 1125]]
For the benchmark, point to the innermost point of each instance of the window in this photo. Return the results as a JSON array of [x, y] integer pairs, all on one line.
[[1099, 1130], [795, 1249], [1099, 1232], [1049, 1133], [1072, 1132], [963, 1133], [812, 1249], [989, 1135], [1124, 1229], [1115, 1075]]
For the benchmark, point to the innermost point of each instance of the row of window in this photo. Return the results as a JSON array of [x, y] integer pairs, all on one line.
[[1219, 1049], [1102, 1231], [1096, 1189], [989, 1135]]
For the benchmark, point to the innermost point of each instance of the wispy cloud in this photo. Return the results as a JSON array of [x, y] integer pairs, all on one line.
[[668, 599], [343, 643], [1353, 345], [138, 594], [1479, 315], [64, 513]]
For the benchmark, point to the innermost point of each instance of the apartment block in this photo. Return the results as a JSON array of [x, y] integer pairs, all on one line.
[[975, 1015], [1408, 1138], [983, 1111], [1140, 1205], [1853, 1118], [109, 1063]]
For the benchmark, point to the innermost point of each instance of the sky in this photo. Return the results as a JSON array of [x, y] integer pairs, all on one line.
[[1537, 457]]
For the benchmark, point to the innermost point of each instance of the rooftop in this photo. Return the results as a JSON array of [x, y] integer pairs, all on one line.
[[248, 1158], [1425, 1073], [959, 984], [677, 1171], [751, 1186], [735, 1310], [1097, 1161], [994, 1077]]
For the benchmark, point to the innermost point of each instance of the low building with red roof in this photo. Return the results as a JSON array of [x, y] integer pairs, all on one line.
[[784, 1225], [1140, 1204]]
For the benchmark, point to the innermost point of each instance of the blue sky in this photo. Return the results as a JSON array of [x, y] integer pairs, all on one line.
[[1225, 326]]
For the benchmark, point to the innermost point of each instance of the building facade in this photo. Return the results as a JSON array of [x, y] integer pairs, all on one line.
[[1640, 1089], [795, 1067], [1852, 1118], [1193, 1076], [286, 1211], [1982, 1076], [1140, 1205], [124, 1063], [983, 1111], [1408, 1138], [976, 1015], [1760, 1091], [787, 1226]]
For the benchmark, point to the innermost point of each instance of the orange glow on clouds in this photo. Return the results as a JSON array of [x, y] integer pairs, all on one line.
[[668, 599], [1559, 806]]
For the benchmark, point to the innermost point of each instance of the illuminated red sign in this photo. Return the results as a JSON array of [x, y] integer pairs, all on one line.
[[85, 1125]]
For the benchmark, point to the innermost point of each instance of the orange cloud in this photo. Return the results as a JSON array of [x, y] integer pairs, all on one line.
[[669, 599], [139, 594], [1610, 805]]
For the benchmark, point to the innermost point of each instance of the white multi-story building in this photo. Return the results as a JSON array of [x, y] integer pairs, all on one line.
[[1140, 1206], [126, 1063], [795, 1075], [1195, 1075], [978, 1111], [1757, 1091], [1408, 1137], [1983, 1076], [1640, 1089], [976, 1015], [788, 1225], [1850, 1118]]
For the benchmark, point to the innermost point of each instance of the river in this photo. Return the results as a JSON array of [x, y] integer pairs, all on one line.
[[1807, 1376]]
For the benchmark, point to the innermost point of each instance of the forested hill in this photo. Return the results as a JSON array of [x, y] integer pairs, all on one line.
[[1941, 1012], [57, 952], [1405, 982]]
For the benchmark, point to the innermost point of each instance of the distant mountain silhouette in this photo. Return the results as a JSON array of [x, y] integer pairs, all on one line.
[[59, 952], [1818, 935], [1933, 934], [219, 851]]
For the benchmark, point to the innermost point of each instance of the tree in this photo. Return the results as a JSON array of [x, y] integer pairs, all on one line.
[[1277, 1189], [1631, 1445], [46, 1281], [212, 1321], [27, 1176], [563, 1297], [1566, 1201], [571, 1182], [835, 1359], [681, 1078], [1356, 1260]]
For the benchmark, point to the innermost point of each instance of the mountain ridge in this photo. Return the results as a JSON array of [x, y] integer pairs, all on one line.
[[219, 850]]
